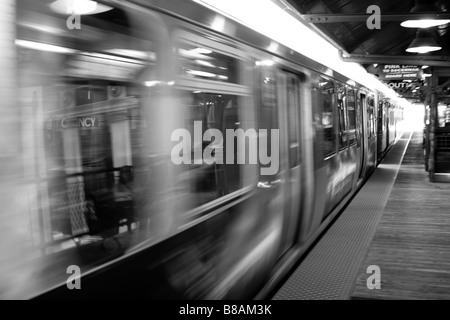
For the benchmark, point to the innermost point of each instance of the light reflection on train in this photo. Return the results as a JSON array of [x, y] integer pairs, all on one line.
[[98, 188]]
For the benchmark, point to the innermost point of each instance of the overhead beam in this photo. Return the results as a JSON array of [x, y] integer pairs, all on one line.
[[432, 61], [360, 17]]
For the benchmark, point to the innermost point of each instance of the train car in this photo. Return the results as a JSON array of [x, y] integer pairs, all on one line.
[[170, 152], [390, 120]]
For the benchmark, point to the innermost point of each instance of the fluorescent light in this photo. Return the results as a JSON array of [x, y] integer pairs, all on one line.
[[423, 49], [84, 6], [201, 73], [201, 51], [219, 23], [193, 54], [78, 7], [425, 67], [264, 63], [112, 58], [155, 83], [421, 7], [142, 55], [273, 47], [423, 23], [424, 42], [205, 63], [44, 47], [42, 28], [152, 83]]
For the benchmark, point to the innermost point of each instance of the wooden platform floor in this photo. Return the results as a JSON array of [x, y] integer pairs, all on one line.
[[411, 245]]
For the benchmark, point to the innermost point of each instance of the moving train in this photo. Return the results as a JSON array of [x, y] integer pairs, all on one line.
[[103, 89]]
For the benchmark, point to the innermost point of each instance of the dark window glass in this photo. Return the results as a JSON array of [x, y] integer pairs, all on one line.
[[371, 116], [293, 104], [351, 110], [327, 92], [268, 108], [199, 62], [208, 182], [343, 132]]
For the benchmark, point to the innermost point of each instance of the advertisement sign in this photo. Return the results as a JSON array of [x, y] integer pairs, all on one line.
[[400, 72]]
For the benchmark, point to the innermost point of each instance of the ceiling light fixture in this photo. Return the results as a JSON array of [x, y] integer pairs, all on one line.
[[426, 74], [424, 42], [39, 46], [424, 6], [78, 7]]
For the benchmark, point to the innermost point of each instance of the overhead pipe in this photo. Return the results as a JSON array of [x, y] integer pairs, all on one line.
[[433, 61]]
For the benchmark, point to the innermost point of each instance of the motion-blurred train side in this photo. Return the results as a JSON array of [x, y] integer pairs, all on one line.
[[98, 107]]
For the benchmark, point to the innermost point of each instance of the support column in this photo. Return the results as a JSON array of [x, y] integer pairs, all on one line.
[[13, 277], [426, 141], [433, 123], [9, 125], [9, 128]]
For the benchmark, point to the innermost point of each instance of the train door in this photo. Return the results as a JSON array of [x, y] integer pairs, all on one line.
[[289, 86], [362, 136], [327, 102], [354, 151], [371, 134], [386, 124], [381, 138]]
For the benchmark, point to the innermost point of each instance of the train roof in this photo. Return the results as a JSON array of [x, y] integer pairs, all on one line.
[[271, 19]]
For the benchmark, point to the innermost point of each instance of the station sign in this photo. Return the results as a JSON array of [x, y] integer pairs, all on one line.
[[404, 87], [82, 122], [400, 72]]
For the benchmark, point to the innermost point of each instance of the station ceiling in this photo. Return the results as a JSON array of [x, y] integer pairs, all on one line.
[[345, 23]]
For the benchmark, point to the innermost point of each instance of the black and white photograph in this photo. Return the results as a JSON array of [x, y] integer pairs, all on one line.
[[227, 155]]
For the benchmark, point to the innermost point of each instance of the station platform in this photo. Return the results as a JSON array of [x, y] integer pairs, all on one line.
[[399, 222]]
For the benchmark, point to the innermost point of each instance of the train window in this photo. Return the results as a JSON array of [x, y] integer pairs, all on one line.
[[343, 131], [212, 101], [386, 116], [267, 111], [427, 115], [351, 110], [95, 118], [199, 62], [444, 115], [327, 91], [371, 117], [207, 182], [391, 117], [293, 105], [381, 118]]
